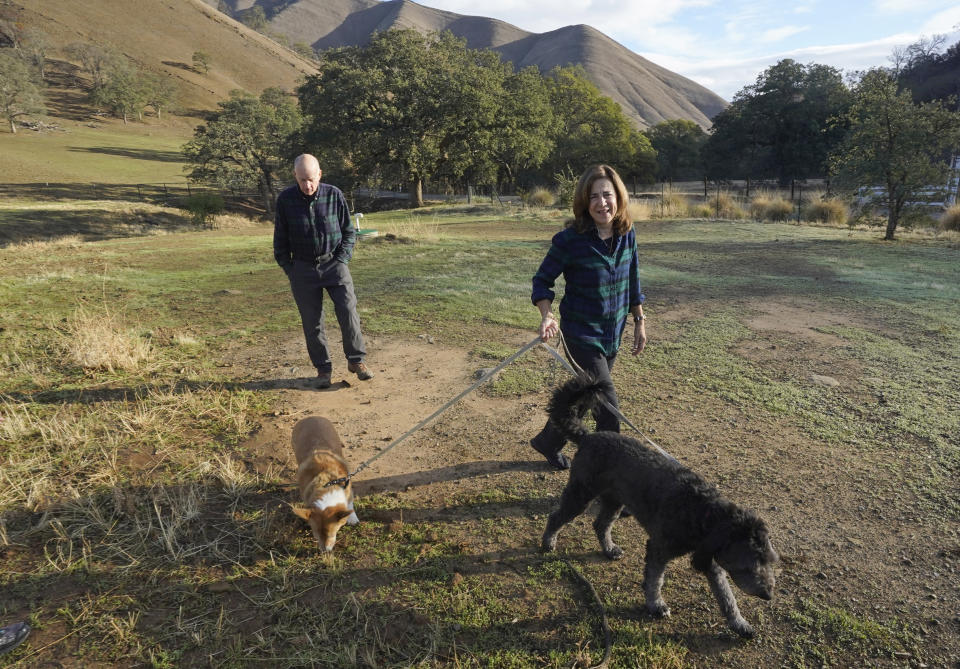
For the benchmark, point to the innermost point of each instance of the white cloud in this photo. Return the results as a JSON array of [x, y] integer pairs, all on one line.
[[944, 22], [779, 34], [727, 76], [543, 15], [907, 6]]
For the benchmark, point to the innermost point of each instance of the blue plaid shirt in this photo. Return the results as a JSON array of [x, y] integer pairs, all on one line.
[[601, 285], [306, 228]]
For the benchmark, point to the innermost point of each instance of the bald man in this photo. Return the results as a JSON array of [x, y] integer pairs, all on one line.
[[313, 241]]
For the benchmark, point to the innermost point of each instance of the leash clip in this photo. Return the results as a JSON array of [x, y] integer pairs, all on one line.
[[343, 481]]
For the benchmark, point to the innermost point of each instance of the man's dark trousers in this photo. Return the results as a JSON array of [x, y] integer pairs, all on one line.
[[308, 281], [593, 361]]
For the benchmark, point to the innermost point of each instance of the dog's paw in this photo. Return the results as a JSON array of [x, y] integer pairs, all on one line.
[[548, 545], [743, 628], [658, 609], [614, 552], [352, 519]]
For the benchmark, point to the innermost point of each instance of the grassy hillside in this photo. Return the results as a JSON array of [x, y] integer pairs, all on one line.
[[84, 147], [162, 35]]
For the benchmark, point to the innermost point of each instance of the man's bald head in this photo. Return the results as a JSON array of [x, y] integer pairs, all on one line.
[[306, 169]]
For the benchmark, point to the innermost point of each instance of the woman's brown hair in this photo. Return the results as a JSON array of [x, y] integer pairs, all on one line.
[[582, 222]]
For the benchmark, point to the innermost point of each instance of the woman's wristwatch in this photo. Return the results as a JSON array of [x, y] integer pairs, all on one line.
[[639, 319]]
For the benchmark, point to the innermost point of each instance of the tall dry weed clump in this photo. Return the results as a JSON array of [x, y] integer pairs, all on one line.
[[671, 205], [770, 207], [950, 220], [640, 210], [541, 197], [827, 210], [724, 205], [100, 341]]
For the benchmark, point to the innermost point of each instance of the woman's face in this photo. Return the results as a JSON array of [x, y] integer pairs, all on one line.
[[603, 202]]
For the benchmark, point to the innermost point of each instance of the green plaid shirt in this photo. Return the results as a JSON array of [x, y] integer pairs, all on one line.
[[307, 228], [602, 284]]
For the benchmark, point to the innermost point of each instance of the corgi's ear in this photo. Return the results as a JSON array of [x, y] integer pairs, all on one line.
[[346, 513], [301, 511]]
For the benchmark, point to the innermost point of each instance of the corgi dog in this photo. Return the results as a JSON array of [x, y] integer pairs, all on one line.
[[319, 454]]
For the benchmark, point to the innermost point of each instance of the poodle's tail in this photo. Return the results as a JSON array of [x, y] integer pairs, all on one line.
[[569, 404]]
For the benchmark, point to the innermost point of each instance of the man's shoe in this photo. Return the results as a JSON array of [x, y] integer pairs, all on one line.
[[323, 380], [360, 370], [556, 460], [12, 636]]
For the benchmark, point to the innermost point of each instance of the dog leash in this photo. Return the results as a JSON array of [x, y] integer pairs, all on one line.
[[344, 480], [578, 371], [396, 442]]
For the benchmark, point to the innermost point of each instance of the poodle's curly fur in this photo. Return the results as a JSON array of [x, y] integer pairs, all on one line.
[[680, 511]]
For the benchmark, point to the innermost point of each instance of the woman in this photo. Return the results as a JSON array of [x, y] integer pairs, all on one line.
[[597, 255]]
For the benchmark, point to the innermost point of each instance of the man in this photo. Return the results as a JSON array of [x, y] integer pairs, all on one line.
[[313, 241]]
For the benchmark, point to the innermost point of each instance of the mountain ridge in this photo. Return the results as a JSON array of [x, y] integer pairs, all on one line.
[[648, 93]]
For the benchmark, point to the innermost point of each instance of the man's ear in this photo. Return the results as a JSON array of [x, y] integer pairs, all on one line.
[[301, 511], [319, 174]]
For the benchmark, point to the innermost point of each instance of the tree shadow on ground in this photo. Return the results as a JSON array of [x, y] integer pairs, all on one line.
[[40, 225], [162, 194], [64, 93], [179, 65], [137, 154]]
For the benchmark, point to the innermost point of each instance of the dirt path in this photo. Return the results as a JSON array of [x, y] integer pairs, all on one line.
[[412, 380]]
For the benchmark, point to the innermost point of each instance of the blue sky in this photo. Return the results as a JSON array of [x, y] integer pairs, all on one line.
[[725, 44]]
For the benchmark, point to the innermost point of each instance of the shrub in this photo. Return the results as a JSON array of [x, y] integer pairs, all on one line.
[[566, 186], [541, 197], [827, 211], [671, 205], [950, 220], [766, 207], [723, 205], [701, 210], [202, 206]]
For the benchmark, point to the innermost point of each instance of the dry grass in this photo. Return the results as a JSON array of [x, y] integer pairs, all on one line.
[[826, 210], [57, 452], [770, 207], [414, 227], [701, 211], [100, 341], [640, 210], [673, 205], [235, 222], [541, 197], [723, 205], [950, 220]]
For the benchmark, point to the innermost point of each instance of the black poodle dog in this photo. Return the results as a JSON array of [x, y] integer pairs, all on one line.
[[680, 511]]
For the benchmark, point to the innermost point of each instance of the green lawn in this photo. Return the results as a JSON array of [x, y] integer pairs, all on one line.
[[111, 154]]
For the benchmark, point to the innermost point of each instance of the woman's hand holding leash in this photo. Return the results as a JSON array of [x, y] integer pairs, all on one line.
[[548, 324], [548, 327]]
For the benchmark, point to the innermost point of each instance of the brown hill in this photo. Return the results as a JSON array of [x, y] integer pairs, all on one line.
[[162, 35], [647, 92]]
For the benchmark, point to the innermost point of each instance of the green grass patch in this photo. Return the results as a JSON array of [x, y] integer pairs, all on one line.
[[825, 635], [107, 155]]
